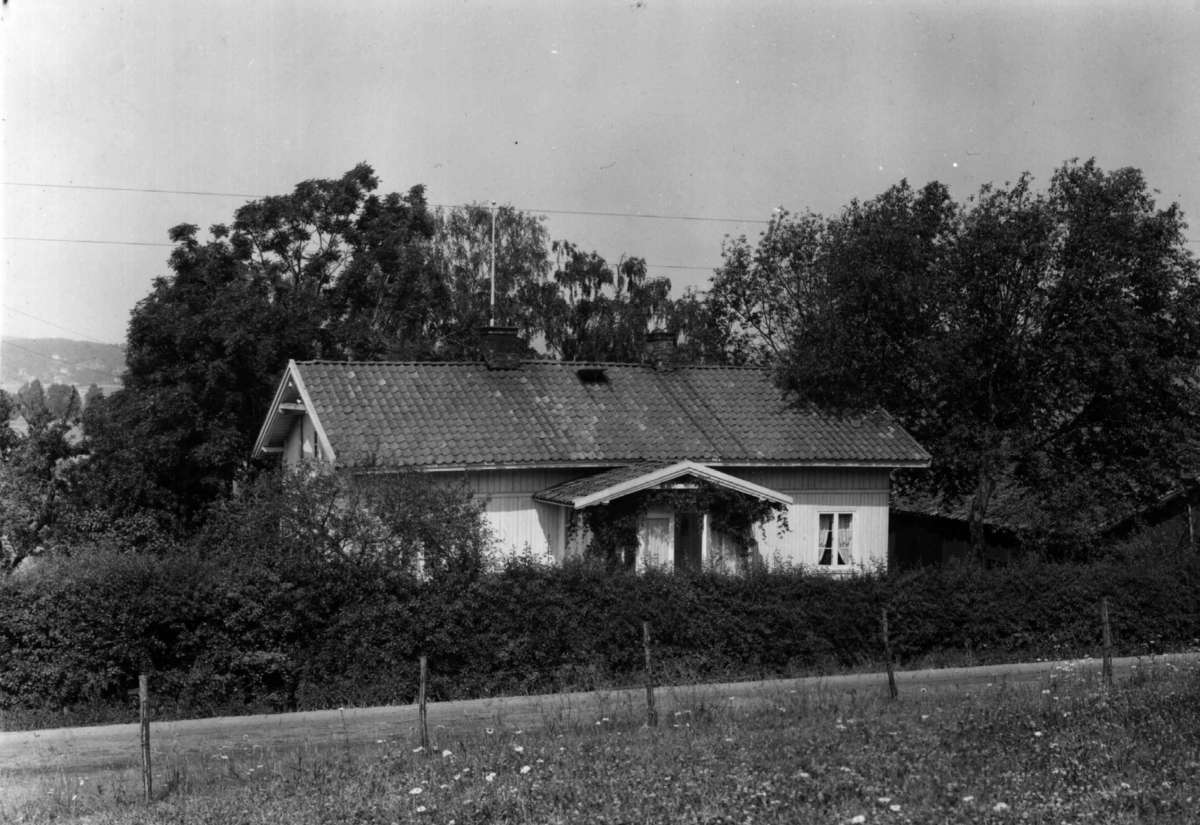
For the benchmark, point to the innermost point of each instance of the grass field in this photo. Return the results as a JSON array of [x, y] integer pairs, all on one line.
[[1063, 750]]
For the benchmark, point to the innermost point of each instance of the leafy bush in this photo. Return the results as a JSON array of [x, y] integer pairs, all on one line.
[[309, 630]]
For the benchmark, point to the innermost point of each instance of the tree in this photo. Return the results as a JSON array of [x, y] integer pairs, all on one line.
[[63, 403], [94, 393], [591, 312], [32, 401], [1048, 338], [327, 271], [34, 473], [462, 260], [758, 297]]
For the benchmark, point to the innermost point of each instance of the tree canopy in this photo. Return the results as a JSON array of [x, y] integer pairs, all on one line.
[[331, 270], [1048, 338]]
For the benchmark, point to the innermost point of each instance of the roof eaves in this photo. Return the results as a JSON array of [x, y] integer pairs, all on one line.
[[326, 447], [264, 433]]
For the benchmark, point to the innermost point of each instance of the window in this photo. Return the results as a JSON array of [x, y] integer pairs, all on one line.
[[835, 539]]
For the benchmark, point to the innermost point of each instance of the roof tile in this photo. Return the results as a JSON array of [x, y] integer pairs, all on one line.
[[454, 413]]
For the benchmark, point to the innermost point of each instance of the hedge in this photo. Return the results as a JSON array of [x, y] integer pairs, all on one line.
[[223, 639]]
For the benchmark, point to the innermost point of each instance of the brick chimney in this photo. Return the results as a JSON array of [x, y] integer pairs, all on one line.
[[659, 350], [502, 349]]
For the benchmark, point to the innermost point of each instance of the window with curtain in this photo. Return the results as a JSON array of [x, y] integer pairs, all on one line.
[[835, 539]]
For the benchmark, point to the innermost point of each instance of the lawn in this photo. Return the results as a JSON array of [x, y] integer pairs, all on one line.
[[1063, 750]]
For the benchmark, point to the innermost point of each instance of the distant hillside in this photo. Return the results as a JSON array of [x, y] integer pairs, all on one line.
[[59, 360]]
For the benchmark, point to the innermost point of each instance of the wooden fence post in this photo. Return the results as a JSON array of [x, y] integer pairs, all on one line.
[[651, 713], [887, 652], [144, 713], [1107, 670], [421, 699]]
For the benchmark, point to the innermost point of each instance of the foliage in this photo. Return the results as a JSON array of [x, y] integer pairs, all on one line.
[[613, 528], [759, 298], [31, 398], [1051, 339], [330, 270], [386, 522], [593, 312], [34, 481], [63, 403], [273, 618], [462, 259], [94, 393]]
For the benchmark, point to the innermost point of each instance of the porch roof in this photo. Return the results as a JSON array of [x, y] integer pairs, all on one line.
[[622, 481]]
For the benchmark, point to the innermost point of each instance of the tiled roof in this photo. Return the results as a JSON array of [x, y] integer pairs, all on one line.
[[569, 491], [632, 478], [456, 414], [1010, 508]]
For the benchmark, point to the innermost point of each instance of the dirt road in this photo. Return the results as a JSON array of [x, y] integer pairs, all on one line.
[[70, 751]]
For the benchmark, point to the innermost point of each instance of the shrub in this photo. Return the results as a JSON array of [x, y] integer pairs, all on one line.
[[226, 637]]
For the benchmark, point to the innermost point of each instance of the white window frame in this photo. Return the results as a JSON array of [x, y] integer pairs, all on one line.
[[855, 527]]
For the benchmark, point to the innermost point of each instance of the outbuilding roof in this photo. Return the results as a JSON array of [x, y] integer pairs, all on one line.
[[434, 415]]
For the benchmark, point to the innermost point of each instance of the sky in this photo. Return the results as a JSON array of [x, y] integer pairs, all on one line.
[[709, 114]]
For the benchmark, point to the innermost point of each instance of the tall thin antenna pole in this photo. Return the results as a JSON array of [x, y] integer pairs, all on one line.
[[492, 317]]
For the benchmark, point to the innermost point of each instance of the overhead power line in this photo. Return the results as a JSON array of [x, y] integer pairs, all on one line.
[[436, 205], [84, 240], [57, 326], [144, 243], [9, 343]]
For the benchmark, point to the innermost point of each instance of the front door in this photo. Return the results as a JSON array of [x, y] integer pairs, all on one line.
[[689, 531]]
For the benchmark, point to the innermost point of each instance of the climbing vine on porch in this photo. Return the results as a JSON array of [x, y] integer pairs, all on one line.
[[614, 526]]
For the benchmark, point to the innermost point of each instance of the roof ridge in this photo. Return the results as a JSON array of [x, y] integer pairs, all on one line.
[[537, 362]]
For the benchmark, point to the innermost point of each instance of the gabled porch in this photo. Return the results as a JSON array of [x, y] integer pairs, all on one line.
[[678, 537]]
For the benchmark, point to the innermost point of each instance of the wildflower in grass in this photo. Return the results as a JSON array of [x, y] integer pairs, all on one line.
[[894, 809], [491, 777], [446, 753], [526, 769], [883, 800], [489, 731], [415, 791], [804, 775], [968, 799], [1037, 733], [1000, 807], [858, 819], [518, 749], [420, 809]]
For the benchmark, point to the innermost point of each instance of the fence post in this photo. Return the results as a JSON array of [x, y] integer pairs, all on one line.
[[887, 652], [421, 699], [1107, 670], [651, 713], [144, 714]]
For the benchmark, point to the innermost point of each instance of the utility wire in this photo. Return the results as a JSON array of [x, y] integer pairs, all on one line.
[[58, 326], [436, 205], [8, 342], [84, 240], [144, 243]]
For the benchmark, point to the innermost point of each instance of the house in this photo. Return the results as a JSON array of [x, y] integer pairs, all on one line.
[[543, 441]]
